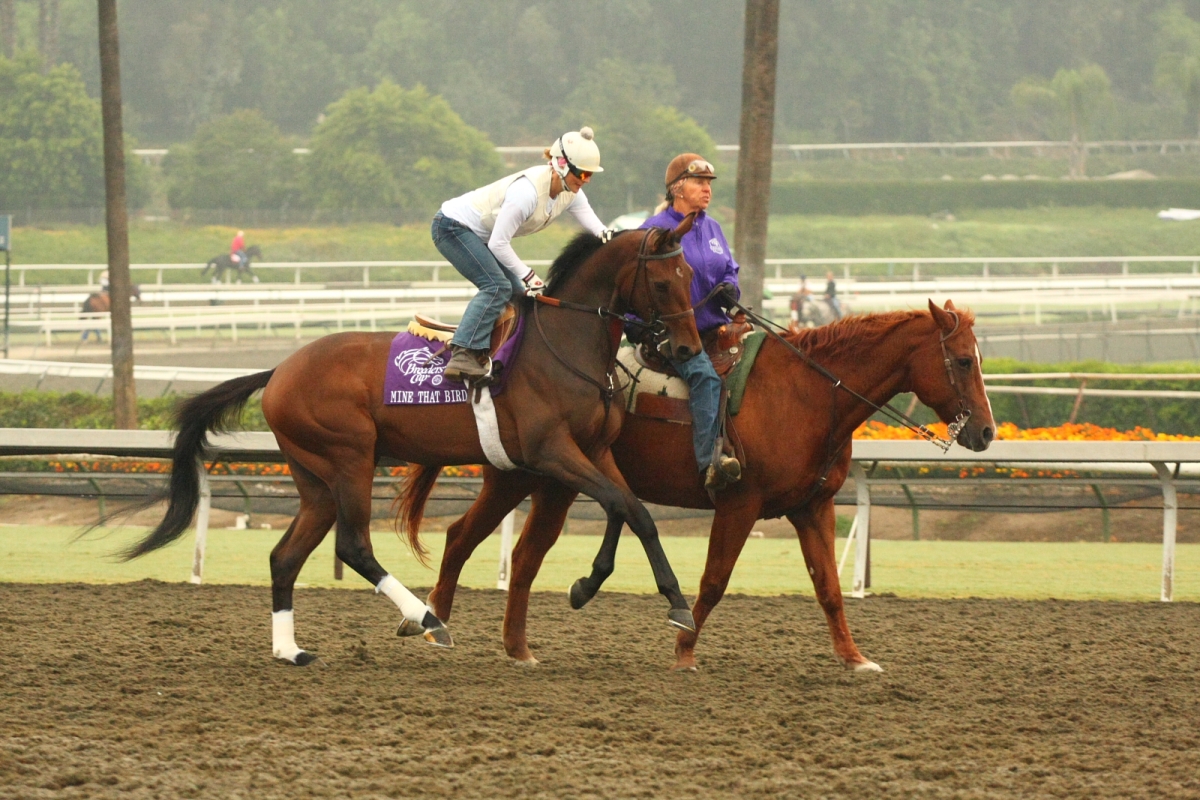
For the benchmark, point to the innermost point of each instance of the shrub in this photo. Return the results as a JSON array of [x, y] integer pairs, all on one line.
[[396, 148]]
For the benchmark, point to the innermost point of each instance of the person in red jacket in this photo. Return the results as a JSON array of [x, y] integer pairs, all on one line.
[[237, 251]]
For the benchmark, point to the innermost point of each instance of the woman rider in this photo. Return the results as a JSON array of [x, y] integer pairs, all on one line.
[[475, 232], [689, 189]]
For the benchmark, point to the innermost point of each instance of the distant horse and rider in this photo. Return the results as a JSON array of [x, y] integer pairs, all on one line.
[[101, 303], [238, 263]]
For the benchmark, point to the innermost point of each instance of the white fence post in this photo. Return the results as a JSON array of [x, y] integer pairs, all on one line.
[[201, 524], [863, 528], [506, 538], [1170, 510]]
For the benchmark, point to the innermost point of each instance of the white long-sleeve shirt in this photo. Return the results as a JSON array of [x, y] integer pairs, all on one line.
[[520, 202]]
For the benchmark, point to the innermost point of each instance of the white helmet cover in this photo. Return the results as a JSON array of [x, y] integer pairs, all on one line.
[[575, 149]]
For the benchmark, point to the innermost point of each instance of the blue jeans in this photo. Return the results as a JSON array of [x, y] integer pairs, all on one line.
[[704, 401], [470, 255]]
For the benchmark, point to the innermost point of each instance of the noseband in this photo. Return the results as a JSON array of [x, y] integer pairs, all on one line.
[[964, 413]]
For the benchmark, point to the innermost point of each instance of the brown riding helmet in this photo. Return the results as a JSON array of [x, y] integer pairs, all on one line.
[[689, 165]]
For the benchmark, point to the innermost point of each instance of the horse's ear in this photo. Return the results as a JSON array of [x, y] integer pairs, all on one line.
[[684, 226], [949, 305], [944, 320]]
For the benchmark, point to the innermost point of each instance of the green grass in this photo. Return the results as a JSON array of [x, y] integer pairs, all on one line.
[[1075, 571], [1036, 232]]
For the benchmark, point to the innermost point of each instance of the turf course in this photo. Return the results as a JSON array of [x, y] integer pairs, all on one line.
[[1025, 232], [1075, 571]]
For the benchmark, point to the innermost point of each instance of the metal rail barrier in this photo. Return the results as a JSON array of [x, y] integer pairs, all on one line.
[[1167, 459]]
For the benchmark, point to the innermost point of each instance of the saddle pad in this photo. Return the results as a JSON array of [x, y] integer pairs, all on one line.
[[660, 396], [418, 359]]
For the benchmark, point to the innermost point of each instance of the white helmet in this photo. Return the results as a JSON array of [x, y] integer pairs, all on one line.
[[575, 152]]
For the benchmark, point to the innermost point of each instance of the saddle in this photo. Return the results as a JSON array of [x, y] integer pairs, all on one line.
[[723, 346], [437, 331]]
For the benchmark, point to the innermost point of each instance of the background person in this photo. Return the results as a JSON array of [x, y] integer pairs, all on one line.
[[475, 231], [798, 300], [237, 250], [688, 181], [831, 296]]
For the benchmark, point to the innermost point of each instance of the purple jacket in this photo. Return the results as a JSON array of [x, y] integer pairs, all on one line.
[[707, 253]]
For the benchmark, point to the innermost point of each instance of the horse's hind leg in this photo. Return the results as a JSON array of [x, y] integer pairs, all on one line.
[[352, 491], [816, 527], [317, 513], [501, 493], [551, 502]]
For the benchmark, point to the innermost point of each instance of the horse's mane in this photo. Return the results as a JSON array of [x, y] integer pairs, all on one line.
[[861, 332], [579, 250]]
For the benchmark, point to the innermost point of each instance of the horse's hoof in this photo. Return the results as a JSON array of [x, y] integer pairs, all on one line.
[[579, 595], [867, 667], [525, 662], [439, 637], [410, 628], [681, 667], [302, 659], [682, 618]]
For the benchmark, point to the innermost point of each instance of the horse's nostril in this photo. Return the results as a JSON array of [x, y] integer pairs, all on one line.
[[987, 434]]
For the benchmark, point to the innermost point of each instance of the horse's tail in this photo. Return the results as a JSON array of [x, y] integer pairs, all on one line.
[[410, 506], [213, 411], [212, 264]]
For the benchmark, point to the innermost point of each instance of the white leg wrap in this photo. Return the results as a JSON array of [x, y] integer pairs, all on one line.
[[283, 635], [406, 601]]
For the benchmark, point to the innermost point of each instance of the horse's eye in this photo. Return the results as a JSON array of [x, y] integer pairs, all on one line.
[[964, 362], [662, 287]]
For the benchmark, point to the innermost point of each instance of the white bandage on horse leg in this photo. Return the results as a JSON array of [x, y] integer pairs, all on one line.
[[406, 601], [283, 635]]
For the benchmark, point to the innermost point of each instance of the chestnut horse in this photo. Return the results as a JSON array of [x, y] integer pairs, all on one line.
[[795, 427], [325, 404]]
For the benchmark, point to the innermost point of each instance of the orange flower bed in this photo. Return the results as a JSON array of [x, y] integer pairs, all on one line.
[[1007, 431], [230, 468]]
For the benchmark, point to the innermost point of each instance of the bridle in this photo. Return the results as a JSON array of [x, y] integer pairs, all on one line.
[[615, 320], [960, 421]]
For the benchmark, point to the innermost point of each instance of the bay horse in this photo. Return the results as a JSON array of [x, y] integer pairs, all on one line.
[[795, 427], [219, 264], [325, 405], [101, 303]]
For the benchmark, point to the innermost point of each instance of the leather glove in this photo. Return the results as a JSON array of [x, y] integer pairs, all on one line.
[[533, 284], [727, 295]]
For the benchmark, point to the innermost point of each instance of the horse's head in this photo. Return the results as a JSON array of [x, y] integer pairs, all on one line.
[[657, 285], [253, 252], [947, 376]]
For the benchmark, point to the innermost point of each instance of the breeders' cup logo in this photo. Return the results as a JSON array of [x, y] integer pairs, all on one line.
[[715, 245], [418, 366]]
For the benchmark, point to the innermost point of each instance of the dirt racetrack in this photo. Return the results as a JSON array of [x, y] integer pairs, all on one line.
[[168, 690]]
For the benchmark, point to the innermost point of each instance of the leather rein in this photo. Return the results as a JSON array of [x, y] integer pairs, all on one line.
[[608, 387], [953, 429]]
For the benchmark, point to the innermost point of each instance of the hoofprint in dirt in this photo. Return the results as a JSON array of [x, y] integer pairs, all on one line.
[[152, 689]]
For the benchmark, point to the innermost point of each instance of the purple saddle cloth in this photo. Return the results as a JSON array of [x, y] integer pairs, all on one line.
[[414, 374]]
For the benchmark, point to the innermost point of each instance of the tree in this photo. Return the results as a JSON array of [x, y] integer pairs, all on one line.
[[397, 148], [240, 160], [48, 33], [1178, 67], [8, 28], [637, 129], [1073, 99]]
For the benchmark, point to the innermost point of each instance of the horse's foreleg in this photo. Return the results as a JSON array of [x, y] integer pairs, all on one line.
[[816, 528], [501, 493], [352, 490], [730, 527], [317, 513], [551, 501], [603, 482]]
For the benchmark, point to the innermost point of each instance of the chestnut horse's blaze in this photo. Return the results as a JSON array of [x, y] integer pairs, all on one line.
[[788, 416], [325, 406]]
